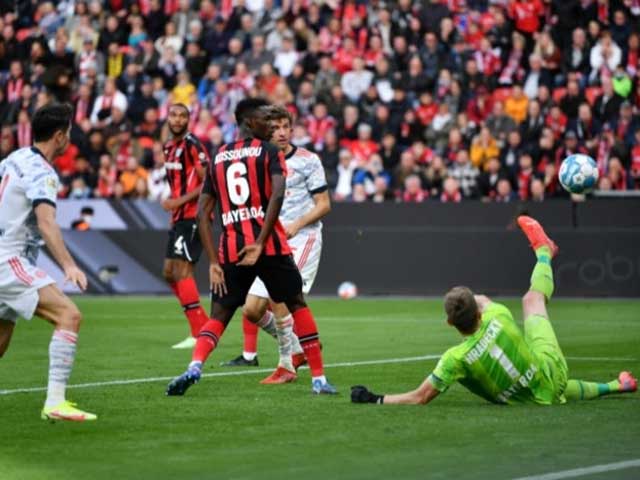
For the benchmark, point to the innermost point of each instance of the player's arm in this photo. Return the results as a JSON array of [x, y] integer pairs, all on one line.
[[206, 206], [52, 236], [322, 206], [420, 396], [482, 301]]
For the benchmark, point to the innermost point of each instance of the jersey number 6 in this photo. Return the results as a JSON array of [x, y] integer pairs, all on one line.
[[237, 183]]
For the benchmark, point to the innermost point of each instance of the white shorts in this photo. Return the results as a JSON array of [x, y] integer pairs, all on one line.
[[19, 285], [306, 248]]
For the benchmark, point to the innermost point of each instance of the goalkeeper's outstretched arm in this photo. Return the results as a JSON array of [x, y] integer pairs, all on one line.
[[420, 396]]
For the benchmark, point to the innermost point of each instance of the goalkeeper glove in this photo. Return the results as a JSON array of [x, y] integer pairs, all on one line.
[[360, 394]]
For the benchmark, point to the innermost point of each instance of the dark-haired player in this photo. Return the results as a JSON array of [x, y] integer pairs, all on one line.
[[28, 192], [246, 182], [185, 163], [496, 360], [306, 202]]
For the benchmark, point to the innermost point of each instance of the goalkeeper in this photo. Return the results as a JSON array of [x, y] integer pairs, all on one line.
[[495, 360]]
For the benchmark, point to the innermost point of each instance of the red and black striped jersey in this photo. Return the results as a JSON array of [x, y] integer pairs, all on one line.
[[239, 177], [181, 158]]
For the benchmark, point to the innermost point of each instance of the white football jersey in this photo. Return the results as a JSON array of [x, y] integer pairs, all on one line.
[[305, 178], [26, 179]]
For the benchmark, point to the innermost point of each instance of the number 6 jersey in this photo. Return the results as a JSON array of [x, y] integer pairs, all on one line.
[[239, 177]]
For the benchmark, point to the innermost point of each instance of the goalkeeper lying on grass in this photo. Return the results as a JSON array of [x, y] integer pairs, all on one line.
[[495, 360]]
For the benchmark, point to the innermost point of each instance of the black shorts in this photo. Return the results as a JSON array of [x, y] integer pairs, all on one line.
[[279, 273], [184, 242]]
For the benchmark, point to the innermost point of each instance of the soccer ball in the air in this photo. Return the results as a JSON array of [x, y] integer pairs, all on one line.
[[578, 173], [347, 290]]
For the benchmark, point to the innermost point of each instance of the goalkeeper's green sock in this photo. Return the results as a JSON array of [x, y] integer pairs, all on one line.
[[581, 390], [542, 276]]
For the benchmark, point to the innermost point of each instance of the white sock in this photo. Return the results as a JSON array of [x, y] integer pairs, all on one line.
[[268, 323], [322, 379], [248, 356], [296, 348], [62, 353], [284, 328]]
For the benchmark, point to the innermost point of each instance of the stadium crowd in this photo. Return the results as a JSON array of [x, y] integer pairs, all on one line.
[[404, 100]]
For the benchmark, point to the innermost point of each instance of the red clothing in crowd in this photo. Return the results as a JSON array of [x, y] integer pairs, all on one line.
[[526, 15]]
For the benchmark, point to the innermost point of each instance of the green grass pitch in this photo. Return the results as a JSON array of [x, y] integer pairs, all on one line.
[[230, 427]]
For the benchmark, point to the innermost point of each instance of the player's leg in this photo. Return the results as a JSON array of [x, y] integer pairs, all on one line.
[[539, 333], [58, 309], [254, 316], [583, 390], [183, 251], [6, 331], [284, 283], [285, 371], [238, 281]]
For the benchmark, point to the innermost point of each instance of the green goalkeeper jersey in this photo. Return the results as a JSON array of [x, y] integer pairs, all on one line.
[[496, 363]]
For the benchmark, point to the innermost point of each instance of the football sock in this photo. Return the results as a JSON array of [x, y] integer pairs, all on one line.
[[296, 348], [542, 276], [62, 353], [250, 335], [268, 323], [308, 335], [187, 292], [284, 328], [581, 390], [322, 378], [208, 339]]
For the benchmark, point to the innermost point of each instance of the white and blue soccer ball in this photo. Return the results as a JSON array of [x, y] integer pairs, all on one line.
[[347, 290], [578, 173]]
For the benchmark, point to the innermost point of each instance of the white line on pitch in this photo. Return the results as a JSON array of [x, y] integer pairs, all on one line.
[[134, 381], [222, 374], [579, 472]]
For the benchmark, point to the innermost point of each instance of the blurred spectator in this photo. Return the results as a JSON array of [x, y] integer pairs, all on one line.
[[412, 191], [466, 174], [84, 222], [451, 191], [504, 192], [483, 148]]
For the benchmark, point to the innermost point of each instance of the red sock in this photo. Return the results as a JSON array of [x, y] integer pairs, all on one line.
[[250, 331], [187, 292], [208, 339], [307, 332]]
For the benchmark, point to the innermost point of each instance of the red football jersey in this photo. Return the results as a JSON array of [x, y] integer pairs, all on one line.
[[182, 157], [239, 177]]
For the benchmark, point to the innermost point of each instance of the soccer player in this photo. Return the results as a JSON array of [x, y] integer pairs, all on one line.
[[186, 160], [28, 191], [496, 360], [246, 181], [306, 202]]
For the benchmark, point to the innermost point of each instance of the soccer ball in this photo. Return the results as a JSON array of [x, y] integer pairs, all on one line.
[[578, 173], [347, 290]]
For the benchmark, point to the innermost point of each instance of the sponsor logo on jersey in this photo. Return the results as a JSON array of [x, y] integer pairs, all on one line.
[[242, 214], [238, 153]]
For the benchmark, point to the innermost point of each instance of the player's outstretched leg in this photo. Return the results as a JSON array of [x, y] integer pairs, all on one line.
[[545, 249], [581, 390], [56, 307]]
